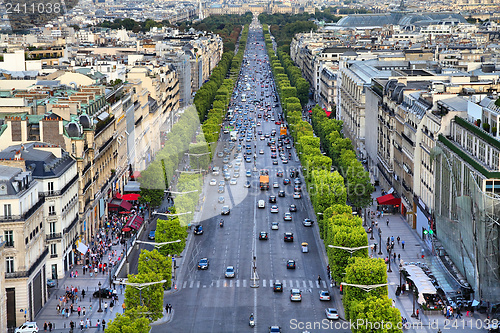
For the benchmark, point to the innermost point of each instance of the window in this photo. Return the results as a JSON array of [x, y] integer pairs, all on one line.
[[51, 187], [7, 211], [53, 250], [52, 228], [73, 148], [10, 265], [52, 210], [8, 236]]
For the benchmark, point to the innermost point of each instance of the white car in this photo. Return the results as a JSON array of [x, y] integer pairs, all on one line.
[[238, 161], [213, 182], [275, 226], [295, 295], [274, 209], [229, 272], [324, 295], [261, 152], [27, 327], [296, 195], [248, 173], [332, 313], [276, 185], [232, 181], [287, 216], [236, 175]]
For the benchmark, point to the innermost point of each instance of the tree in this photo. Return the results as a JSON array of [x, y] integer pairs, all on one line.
[[150, 297], [155, 262], [328, 189], [359, 186], [168, 231], [132, 321], [375, 311]]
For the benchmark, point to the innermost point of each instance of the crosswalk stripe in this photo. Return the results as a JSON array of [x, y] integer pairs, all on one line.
[[184, 284], [191, 284], [218, 283], [264, 283], [237, 283], [284, 283], [324, 284], [291, 284], [298, 283], [304, 283], [244, 283], [198, 284], [310, 284], [317, 285], [204, 286], [231, 284]]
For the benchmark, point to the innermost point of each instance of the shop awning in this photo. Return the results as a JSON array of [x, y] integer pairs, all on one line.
[[135, 222], [131, 196], [117, 204], [421, 281], [388, 199]]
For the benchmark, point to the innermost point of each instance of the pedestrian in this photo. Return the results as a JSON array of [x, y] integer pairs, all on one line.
[[418, 313], [83, 294], [398, 239], [124, 307], [105, 307], [392, 239], [166, 308], [319, 279], [394, 256], [83, 311], [387, 222], [87, 323], [50, 326], [103, 325], [399, 257], [45, 326], [98, 325], [375, 247], [79, 310], [403, 244], [81, 324], [71, 326]]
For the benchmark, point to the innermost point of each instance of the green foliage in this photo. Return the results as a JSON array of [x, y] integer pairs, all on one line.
[[150, 296], [168, 231], [132, 321], [364, 271], [155, 262], [135, 26], [375, 310], [359, 186]]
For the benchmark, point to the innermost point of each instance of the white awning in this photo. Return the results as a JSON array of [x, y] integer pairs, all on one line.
[[82, 248], [421, 281]]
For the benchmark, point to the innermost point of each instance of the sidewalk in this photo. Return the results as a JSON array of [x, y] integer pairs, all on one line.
[[412, 252], [61, 324]]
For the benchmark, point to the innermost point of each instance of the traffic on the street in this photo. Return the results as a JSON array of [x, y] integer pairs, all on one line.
[[258, 264]]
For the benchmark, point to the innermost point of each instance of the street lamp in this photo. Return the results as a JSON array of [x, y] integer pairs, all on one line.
[[380, 241], [140, 286], [179, 214], [100, 297], [351, 250], [389, 270], [367, 288], [158, 245]]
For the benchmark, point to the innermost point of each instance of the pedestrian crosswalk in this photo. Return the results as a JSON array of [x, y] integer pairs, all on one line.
[[232, 283]]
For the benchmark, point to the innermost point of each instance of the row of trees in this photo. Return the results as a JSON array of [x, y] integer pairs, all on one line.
[[290, 82], [338, 226], [131, 24], [285, 26], [341, 151]]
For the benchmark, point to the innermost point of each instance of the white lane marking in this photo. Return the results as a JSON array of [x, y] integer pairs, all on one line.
[[198, 284], [218, 283], [310, 284], [191, 284], [184, 284], [324, 284], [237, 283]]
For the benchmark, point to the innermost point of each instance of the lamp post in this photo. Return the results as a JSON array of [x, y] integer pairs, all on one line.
[[140, 286], [380, 241], [389, 270], [100, 297]]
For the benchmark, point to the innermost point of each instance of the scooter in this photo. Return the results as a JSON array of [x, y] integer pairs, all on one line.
[[252, 321], [221, 223]]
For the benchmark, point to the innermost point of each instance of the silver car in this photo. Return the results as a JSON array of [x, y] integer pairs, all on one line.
[[229, 272]]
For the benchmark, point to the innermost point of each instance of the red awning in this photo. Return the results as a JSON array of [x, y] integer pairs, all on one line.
[[328, 113], [388, 199], [118, 195], [126, 229], [136, 175], [135, 222], [118, 204], [131, 196]]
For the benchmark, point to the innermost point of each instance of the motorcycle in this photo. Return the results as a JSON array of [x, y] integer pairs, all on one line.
[[221, 223], [252, 321]]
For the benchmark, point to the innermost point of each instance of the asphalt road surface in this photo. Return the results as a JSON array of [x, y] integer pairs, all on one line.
[[209, 302]]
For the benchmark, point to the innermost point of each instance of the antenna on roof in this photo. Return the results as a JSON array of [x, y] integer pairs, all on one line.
[[402, 5]]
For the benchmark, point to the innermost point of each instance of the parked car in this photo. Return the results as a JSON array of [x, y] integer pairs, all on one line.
[[51, 283], [105, 293], [27, 327], [152, 234]]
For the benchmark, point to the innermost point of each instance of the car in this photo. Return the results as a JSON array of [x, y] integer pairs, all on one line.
[[27, 327], [236, 174], [229, 272], [275, 162], [272, 199], [273, 155], [278, 287], [284, 161], [307, 222], [225, 160], [222, 183], [274, 209], [276, 185], [221, 189], [332, 313], [198, 230], [297, 188], [293, 208], [227, 176], [281, 193], [295, 295], [288, 237], [263, 235], [51, 283], [220, 154], [248, 173], [221, 199], [105, 293], [213, 182], [274, 329], [247, 184], [297, 195], [275, 226], [286, 181], [261, 204], [152, 234], [290, 264], [232, 181], [324, 295], [248, 159], [262, 137], [237, 161], [225, 210], [287, 216], [297, 181], [203, 264], [261, 152]]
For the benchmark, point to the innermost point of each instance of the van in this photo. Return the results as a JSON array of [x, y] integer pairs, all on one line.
[[262, 204]]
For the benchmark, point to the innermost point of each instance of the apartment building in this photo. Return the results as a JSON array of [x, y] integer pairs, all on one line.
[[25, 252], [57, 176]]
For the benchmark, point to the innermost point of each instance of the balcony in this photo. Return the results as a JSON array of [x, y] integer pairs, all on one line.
[[25, 216], [54, 235], [410, 141], [73, 223], [59, 192], [87, 185], [25, 274]]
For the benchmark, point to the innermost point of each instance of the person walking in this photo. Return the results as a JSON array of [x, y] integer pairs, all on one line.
[[418, 312], [105, 307], [398, 239], [403, 244], [319, 279], [103, 325], [45, 326], [50, 326], [98, 325], [387, 221], [79, 310], [81, 324], [124, 307], [83, 294]]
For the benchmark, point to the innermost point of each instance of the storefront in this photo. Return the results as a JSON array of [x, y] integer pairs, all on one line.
[[389, 204]]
